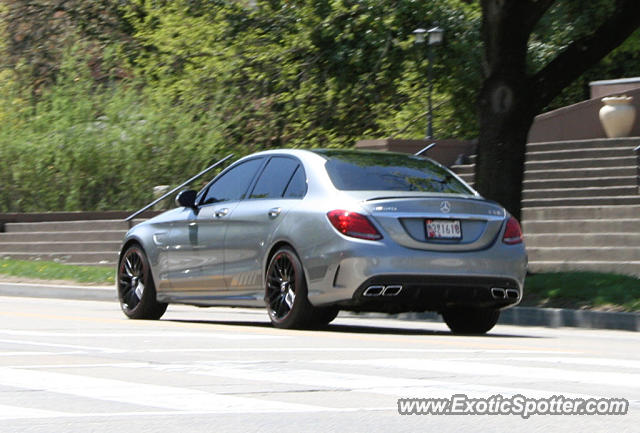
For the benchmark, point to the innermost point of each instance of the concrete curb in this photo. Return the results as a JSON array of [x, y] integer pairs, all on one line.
[[546, 317], [32, 290], [519, 316]]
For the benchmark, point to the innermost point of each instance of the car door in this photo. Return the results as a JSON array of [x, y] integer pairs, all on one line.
[[198, 253], [281, 184]]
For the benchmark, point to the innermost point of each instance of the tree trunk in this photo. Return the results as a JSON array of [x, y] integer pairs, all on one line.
[[505, 103], [505, 118], [510, 98]]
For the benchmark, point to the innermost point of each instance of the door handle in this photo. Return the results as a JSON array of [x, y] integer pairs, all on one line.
[[273, 213], [221, 212]]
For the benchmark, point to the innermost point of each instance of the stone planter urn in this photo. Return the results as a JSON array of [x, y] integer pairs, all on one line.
[[617, 116]]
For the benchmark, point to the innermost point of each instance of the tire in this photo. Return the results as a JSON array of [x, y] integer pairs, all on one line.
[[286, 291], [470, 320], [136, 289], [322, 316]]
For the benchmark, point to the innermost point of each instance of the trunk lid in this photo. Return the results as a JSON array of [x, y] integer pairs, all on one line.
[[404, 217]]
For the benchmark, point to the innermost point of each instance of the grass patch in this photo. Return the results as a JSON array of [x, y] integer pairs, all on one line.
[[57, 271], [583, 290]]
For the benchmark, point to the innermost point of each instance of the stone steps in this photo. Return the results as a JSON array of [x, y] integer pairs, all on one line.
[[606, 253], [63, 236], [560, 227], [570, 265], [583, 240], [55, 247], [581, 173], [582, 201], [587, 192], [597, 182], [86, 242], [559, 164], [598, 143], [581, 213], [575, 154], [581, 205], [67, 226]]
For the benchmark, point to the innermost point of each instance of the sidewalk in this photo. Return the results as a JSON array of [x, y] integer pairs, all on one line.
[[519, 316]]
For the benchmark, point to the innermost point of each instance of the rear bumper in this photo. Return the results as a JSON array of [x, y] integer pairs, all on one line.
[[432, 293], [430, 280]]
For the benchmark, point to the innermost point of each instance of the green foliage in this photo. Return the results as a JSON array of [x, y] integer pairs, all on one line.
[[309, 73], [107, 99], [57, 271], [39, 31], [87, 147], [568, 20], [623, 62], [150, 92]]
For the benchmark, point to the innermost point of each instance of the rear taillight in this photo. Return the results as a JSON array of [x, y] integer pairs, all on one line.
[[353, 224], [513, 232]]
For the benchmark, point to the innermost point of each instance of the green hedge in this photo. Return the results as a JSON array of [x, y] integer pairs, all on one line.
[[82, 148]]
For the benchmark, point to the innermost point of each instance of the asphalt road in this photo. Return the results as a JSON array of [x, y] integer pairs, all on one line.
[[80, 366]]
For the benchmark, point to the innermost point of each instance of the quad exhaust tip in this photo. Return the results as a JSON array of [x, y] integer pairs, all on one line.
[[392, 290], [500, 293], [373, 291], [512, 294]]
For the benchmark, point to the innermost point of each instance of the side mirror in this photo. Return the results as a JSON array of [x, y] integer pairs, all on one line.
[[187, 198]]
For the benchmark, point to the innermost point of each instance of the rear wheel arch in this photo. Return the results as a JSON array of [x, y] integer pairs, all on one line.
[[274, 248], [311, 317]]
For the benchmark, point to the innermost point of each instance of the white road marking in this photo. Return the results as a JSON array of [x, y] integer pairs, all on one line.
[[166, 397], [352, 349], [604, 362], [128, 335], [64, 346], [78, 366], [17, 412], [25, 353], [488, 369], [134, 334], [386, 385], [185, 401]]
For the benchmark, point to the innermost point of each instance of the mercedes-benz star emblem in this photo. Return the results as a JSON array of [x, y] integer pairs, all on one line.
[[445, 207]]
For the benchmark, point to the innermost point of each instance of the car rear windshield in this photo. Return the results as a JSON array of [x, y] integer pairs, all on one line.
[[352, 170]]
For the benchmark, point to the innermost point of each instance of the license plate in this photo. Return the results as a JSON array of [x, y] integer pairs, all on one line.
[[443, 229]]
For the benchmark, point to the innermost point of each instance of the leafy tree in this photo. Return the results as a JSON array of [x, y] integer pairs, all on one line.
[[309, 72], [155, 88], [516, 86], [39, 31]]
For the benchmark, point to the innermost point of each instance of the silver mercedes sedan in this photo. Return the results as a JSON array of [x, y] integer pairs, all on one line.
[[309, 233]]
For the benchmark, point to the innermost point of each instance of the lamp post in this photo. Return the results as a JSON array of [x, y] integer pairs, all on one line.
[[433, 37]]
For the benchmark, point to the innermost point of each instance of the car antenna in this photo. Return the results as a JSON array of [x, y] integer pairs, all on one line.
[[424, 149], [135, 214]]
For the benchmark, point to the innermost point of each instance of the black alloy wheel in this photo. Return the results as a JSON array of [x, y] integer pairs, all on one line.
[[136, 290], [286, 291]]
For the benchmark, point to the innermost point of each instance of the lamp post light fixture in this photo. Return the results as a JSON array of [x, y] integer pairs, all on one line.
[[433, 36]]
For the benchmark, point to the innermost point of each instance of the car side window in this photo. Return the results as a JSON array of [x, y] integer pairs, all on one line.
[[275, 178], [234, 183], [297, 187]]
